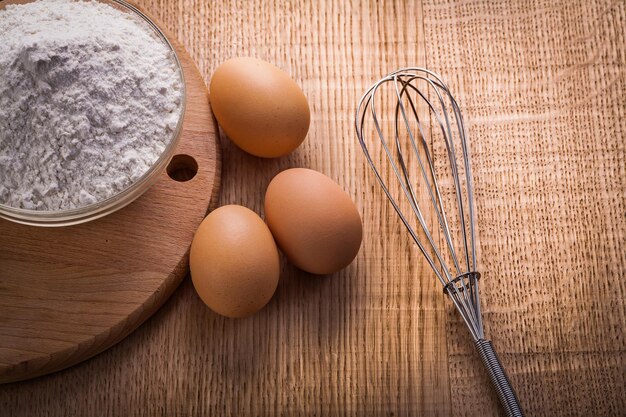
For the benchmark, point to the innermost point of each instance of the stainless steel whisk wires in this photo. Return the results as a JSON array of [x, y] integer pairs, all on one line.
[[459, 280]]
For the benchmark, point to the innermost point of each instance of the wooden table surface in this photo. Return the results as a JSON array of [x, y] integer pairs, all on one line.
[[542, 85]]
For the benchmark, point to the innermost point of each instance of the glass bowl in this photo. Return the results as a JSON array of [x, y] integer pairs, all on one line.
[[132, 192]]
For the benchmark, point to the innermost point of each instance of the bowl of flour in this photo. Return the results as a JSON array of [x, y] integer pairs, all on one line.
[[92, 98]]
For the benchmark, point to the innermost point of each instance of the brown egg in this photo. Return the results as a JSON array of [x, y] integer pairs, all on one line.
[[234, 262], [260, 108], [313, 220]]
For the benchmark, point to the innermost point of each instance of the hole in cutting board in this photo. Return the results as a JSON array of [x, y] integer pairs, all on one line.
[[182, 168]]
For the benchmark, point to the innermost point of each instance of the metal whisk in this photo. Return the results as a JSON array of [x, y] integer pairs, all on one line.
[[414, 108]]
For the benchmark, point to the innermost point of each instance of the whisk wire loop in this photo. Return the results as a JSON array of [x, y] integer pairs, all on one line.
[[437, 204], [467, 305], [465, 298]]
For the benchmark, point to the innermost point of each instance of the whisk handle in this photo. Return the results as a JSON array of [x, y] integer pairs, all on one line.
[[498, 377]]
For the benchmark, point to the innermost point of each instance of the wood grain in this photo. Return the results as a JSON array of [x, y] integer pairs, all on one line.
[[544, 97], [68, 293], [542, 87]]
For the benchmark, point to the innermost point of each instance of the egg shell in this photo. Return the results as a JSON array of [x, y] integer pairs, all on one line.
[[234, 261], [259, 107], [313, 220]]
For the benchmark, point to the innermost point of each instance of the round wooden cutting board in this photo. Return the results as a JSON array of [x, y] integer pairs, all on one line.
[[69, 293]]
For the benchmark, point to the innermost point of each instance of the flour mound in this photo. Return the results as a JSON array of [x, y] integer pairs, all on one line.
[[89, 99]]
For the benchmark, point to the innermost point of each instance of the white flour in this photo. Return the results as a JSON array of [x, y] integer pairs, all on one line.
[[89, 97]]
